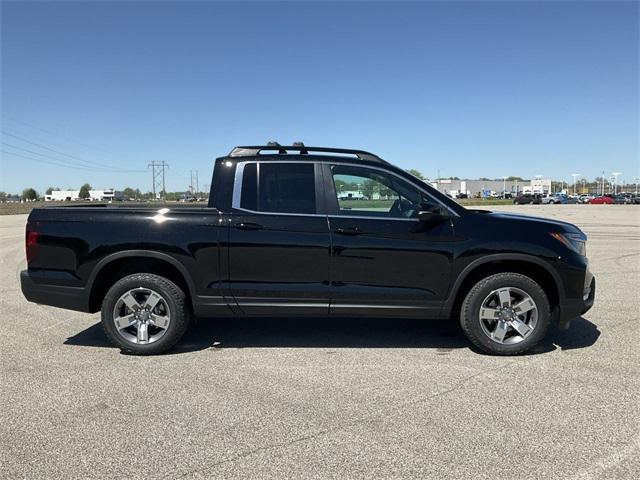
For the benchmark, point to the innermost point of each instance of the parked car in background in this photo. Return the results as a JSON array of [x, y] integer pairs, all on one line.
[[626, 198], [552, 199], [601, 200], [527, 198], [585, 198], [558, 198]]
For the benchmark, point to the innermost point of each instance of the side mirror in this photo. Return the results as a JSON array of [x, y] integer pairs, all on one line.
[[433, 215]]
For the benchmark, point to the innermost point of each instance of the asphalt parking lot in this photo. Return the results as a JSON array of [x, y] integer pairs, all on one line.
[[328, 398]]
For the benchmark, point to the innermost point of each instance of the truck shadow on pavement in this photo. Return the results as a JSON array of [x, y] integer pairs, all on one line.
[[443, 336]]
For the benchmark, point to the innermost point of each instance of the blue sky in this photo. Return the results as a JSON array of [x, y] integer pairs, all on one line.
[[467, 88]]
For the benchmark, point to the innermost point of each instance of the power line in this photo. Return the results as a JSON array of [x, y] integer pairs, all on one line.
[[50, 132], [63, 153], [48, 162], [157, 171], [65, 162]]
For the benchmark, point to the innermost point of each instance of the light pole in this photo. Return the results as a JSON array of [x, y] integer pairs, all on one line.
[[574, 175], [504, 186], [636, 179], [615, 181], [538, 177]]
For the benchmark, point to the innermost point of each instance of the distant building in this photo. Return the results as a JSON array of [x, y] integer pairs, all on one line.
[[106, 195], [542, 186], [485, 188]]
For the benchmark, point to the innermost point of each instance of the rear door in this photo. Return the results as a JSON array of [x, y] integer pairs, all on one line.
[[278, 242], [384, 261]]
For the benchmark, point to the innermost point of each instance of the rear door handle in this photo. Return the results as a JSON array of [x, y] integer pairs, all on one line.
[[248, 226], [348, 231]]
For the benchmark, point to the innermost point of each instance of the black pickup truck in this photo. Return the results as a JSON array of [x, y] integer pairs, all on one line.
[[302, 231]]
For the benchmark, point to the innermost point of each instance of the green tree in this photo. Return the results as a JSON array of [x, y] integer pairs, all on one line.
[[416, 173], [369, 188], [131, 193], [29, 194], [173, 196], [3, 196], [84, 191], [51, 189], [341, 185]]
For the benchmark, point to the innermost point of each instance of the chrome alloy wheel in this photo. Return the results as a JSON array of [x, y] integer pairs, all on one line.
[[141, 316], [508, 315]]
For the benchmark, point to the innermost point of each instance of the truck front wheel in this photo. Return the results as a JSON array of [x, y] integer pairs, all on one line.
[[145, 314], [505, 314]]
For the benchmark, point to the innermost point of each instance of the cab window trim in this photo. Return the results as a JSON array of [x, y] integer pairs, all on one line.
[[323, 195], [330, 191], [236, 200]]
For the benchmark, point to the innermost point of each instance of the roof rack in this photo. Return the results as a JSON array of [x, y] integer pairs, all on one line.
[[252, 151]]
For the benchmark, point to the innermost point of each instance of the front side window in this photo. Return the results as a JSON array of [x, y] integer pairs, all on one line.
[[279, 188], [368, 192]]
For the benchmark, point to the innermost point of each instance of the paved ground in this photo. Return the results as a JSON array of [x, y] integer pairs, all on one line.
[[328, 399]]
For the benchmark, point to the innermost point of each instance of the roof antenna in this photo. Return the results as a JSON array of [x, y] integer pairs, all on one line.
[[276, 144], [300, 145]]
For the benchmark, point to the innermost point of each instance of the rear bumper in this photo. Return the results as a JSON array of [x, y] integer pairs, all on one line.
[[71, 298]]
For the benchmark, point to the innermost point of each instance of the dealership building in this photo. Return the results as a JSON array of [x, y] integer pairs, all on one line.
[[486, 188], [107, 195]]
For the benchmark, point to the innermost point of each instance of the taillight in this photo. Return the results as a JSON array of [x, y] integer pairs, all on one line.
[[31, 241]]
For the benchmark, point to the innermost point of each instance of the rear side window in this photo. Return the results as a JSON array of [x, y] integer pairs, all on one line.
[[250, 187], [279, 188]]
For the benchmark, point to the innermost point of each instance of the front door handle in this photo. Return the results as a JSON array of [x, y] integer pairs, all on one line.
[[348, 231], [248, 226]]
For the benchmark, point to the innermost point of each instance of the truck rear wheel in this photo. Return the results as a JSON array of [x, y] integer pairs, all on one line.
[[145, 314], [505, 314]]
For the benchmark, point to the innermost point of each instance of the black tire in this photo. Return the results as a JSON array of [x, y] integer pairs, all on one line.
[[175, 300], [470, 313]]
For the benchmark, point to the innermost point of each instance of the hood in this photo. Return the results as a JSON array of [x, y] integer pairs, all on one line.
[[550, 223]]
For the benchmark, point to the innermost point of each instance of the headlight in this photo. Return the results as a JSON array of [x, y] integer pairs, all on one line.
[[575, 241]]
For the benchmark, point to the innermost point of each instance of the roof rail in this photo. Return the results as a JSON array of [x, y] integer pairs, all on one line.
[[251, 151]]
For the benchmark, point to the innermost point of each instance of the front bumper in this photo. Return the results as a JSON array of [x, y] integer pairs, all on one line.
[[573, 308], [589, 296], [71, 298]]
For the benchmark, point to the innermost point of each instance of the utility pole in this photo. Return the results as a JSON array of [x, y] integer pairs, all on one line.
[[195, 185], [603, 182], [157, 169]]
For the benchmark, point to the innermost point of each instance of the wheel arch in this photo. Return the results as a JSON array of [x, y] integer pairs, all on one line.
[[118, 265], [532, 267]]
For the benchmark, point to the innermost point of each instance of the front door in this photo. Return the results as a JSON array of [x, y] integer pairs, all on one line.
[[384, 261], [278, 243]]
